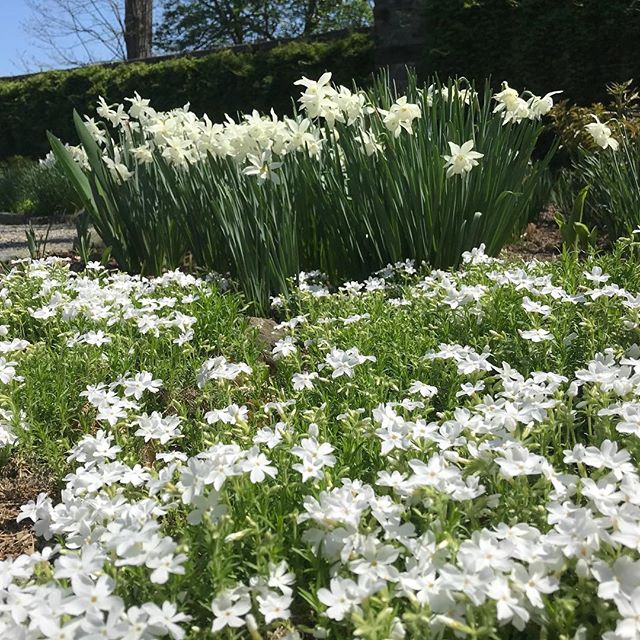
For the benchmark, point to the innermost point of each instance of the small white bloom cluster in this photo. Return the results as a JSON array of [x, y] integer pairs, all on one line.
[[109, 297], [514, 108]]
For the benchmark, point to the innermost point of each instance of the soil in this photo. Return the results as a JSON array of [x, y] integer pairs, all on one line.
[[19, 484], [541, 240]]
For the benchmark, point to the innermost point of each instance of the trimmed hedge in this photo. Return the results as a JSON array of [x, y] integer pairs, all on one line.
[[575, 45], [224, 81]]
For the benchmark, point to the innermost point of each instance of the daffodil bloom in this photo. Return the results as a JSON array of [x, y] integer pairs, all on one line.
[[464, 95], [139, 106], [369, 143], [317, 95], [119, 171], [142, 154], [400, 116], [601, 134], [507, 98], [262, 167], [539, 107], [462, 159]]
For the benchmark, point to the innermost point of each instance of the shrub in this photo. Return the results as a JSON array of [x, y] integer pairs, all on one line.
[[622, 112], [603, 144], [38, 189], [613, 178], [519, 38], [366, 178], [12, 178]]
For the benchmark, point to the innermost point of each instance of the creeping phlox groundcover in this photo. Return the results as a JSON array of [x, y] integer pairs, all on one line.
[[352, 181], [417, 455]]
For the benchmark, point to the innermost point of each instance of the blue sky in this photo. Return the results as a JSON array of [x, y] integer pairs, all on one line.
[[19, 51], [14, 42]]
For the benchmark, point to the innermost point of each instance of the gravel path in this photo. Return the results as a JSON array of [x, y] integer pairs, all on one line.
[[13, 239]]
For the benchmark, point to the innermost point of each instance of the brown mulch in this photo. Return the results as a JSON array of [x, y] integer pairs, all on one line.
[[18, 484], [541, 240]]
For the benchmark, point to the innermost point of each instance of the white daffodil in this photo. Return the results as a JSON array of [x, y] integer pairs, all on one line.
[[601, 134], [462, 158], [539, 107], [400, 116], [262, 167]]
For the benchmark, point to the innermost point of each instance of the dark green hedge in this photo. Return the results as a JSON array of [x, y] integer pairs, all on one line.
[[221, 82], [575, 45]]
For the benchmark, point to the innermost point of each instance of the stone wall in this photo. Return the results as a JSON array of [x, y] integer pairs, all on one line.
[[399, 32]]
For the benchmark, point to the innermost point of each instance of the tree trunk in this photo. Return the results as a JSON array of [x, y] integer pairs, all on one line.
[[138, 27], [310, 17]]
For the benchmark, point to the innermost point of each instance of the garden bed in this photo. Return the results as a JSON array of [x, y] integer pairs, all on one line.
[[416, 455]]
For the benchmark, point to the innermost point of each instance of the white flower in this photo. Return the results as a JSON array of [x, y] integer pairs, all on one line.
[[219, 369], [303, 380], [275, 606], [118, 170], [271, 437], [511, 105], [462, 159], [314, 456], [317, 97], [343, 362], [165, 619], [464, 95], [233, 414], [539, 107], [400, 116], [155, 427], [284, 348], [140, 383], [164, 564], [601, 134], [229, 613], [596, 275], [139, 106], [280, 577], [89, 595], [425, 390], [343, 596], [258, 466], [536, 335], [629, 608], [262, 167], [7, 370], [508, 607], [369, 143]]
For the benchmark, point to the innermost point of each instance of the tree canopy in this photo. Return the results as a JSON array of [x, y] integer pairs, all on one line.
[[190, 25]]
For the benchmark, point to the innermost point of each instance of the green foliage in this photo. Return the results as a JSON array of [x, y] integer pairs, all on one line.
[[34, 189], [12, 179], [613, 178], [191, 25], [220, 82], [575, 234], [345, 212], [612, 175], [522, 399], [622, 115], [578, 47]]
